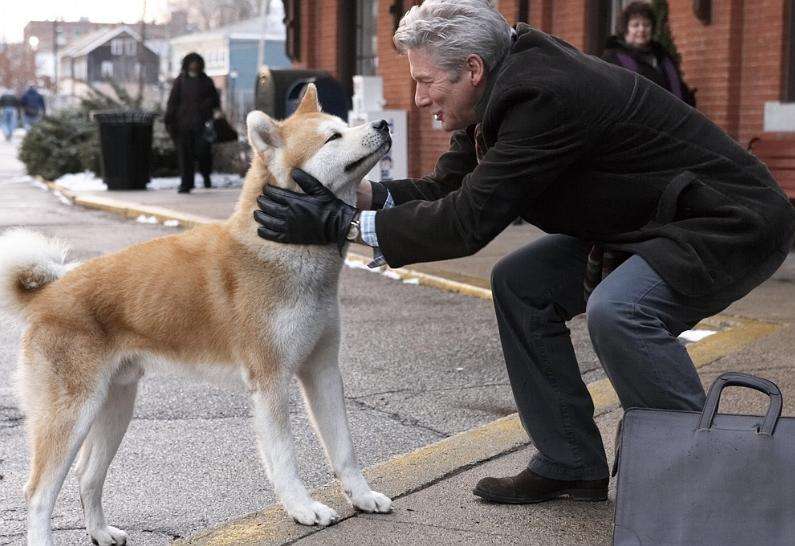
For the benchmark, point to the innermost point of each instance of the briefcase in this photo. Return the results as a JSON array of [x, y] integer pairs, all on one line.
[[707, 478]]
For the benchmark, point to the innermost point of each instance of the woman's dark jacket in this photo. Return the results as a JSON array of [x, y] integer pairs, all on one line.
[[653, 63], [192, 100], [578, 146]]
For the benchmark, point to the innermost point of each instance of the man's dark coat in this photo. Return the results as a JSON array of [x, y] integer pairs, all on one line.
[[578, 146]]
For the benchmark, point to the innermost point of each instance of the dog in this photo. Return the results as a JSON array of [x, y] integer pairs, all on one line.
[[270, 312]]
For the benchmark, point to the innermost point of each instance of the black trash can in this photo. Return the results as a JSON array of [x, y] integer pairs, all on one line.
[[126, 142]]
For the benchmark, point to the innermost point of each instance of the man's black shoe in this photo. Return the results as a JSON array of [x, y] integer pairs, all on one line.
[[528, 487], [184, 190]]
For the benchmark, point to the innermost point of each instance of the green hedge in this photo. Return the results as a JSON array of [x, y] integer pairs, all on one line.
[[68, 141]]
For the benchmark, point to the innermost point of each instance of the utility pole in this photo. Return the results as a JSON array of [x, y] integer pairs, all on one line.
[[266, 4], [55, 53], [141, 58]]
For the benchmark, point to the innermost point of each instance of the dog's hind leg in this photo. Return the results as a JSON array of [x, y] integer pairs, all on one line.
[[272, 425], [99, 449], [59, 418], [321, 383]]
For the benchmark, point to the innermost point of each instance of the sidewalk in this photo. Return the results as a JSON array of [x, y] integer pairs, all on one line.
[[432, 486]]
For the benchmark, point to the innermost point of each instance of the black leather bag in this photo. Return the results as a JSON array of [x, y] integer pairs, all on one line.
[[218, 130], [707, 478]]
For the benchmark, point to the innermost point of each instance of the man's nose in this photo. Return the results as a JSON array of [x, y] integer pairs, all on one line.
[[381, 126], [421, 99]]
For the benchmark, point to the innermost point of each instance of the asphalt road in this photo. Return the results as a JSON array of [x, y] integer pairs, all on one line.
[[419, 365]]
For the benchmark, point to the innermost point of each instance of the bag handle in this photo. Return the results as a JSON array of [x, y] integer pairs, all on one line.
[[738, 379]]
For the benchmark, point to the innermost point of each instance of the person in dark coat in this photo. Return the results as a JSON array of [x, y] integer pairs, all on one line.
[[33, 107], [602, 160], [192, 102], [634, 49]]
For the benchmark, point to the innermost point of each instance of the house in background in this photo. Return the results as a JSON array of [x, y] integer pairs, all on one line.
[[109, 54], [231, 56], [48, 39]]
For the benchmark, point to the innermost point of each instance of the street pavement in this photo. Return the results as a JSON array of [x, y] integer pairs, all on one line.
[[420, 365]]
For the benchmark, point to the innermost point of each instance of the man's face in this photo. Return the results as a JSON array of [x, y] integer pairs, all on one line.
[[638, 32], [452, 103]]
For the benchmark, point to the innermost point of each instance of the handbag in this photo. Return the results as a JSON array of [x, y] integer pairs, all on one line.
[[707, 478], [218, 130]]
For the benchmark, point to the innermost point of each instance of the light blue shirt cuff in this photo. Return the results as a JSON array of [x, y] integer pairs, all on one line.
[[369, 236]]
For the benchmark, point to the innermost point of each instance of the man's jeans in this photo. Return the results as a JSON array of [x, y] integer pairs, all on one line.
[[9, 121], [633, 318], [31, 120]]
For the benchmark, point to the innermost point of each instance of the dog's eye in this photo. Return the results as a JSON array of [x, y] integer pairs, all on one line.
[[334, 136]]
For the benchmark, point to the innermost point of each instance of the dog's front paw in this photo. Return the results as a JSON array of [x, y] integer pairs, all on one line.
[[108, 536], [314, 513], [372, 501]]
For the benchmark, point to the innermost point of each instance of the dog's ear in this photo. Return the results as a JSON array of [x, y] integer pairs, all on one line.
[[309, 102], [263, 132]]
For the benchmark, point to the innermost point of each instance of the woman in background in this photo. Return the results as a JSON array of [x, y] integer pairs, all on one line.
[[192, 102], [634, 49]]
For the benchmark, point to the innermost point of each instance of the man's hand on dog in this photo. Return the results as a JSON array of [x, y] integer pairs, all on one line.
[[316, 216]]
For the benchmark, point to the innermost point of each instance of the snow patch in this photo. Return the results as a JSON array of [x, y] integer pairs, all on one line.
[[171, 223], [85, 181], [696, 335], [144, 219]]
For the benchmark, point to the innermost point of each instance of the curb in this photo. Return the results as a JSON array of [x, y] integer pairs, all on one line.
[[416, 470]]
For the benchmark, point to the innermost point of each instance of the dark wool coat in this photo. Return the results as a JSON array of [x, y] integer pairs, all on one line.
[[579, 146], [192, 100], [651, 64]]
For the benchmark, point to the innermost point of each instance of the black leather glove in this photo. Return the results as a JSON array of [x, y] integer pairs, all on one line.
[[316, 217]]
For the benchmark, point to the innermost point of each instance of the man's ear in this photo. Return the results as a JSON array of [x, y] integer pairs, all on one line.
[[476, 69], [309, 102], [263, 132]]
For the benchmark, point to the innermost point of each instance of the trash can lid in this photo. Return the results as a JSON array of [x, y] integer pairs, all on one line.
[[124, 116]]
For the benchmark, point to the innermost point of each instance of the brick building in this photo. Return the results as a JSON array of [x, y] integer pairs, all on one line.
[[738, 53]]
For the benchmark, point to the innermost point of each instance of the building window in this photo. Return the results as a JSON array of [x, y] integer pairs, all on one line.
[[130, 47], [523, 11], [106, 69], [603, 17], [117, 47], [366, 37], [292, 24]]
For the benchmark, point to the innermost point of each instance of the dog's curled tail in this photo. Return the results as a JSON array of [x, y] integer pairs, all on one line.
[[28, 262]]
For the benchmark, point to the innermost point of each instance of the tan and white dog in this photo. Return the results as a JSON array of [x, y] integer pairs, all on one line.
[[269, 312]]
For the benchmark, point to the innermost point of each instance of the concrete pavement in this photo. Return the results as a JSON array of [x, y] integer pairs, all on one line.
[[432, 484]]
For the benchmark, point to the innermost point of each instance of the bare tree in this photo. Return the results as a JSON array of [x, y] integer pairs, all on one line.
[[208, 14], [17, 66]]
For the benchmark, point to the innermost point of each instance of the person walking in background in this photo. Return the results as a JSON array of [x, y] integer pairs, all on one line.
[[9, 107], [33, 108], [634, 49], [192, 102]]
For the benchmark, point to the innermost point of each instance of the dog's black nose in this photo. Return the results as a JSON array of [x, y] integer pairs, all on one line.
[[382, 126]]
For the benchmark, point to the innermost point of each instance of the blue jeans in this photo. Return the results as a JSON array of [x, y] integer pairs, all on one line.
[[9, 121], [633, 318], [31, 120]]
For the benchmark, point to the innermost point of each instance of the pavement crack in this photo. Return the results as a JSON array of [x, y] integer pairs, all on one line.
[[405, 421]]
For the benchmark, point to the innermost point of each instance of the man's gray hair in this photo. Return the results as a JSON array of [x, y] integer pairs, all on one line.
[[451, 30]]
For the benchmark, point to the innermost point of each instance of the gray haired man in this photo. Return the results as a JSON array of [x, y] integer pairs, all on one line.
[[611, 166]]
